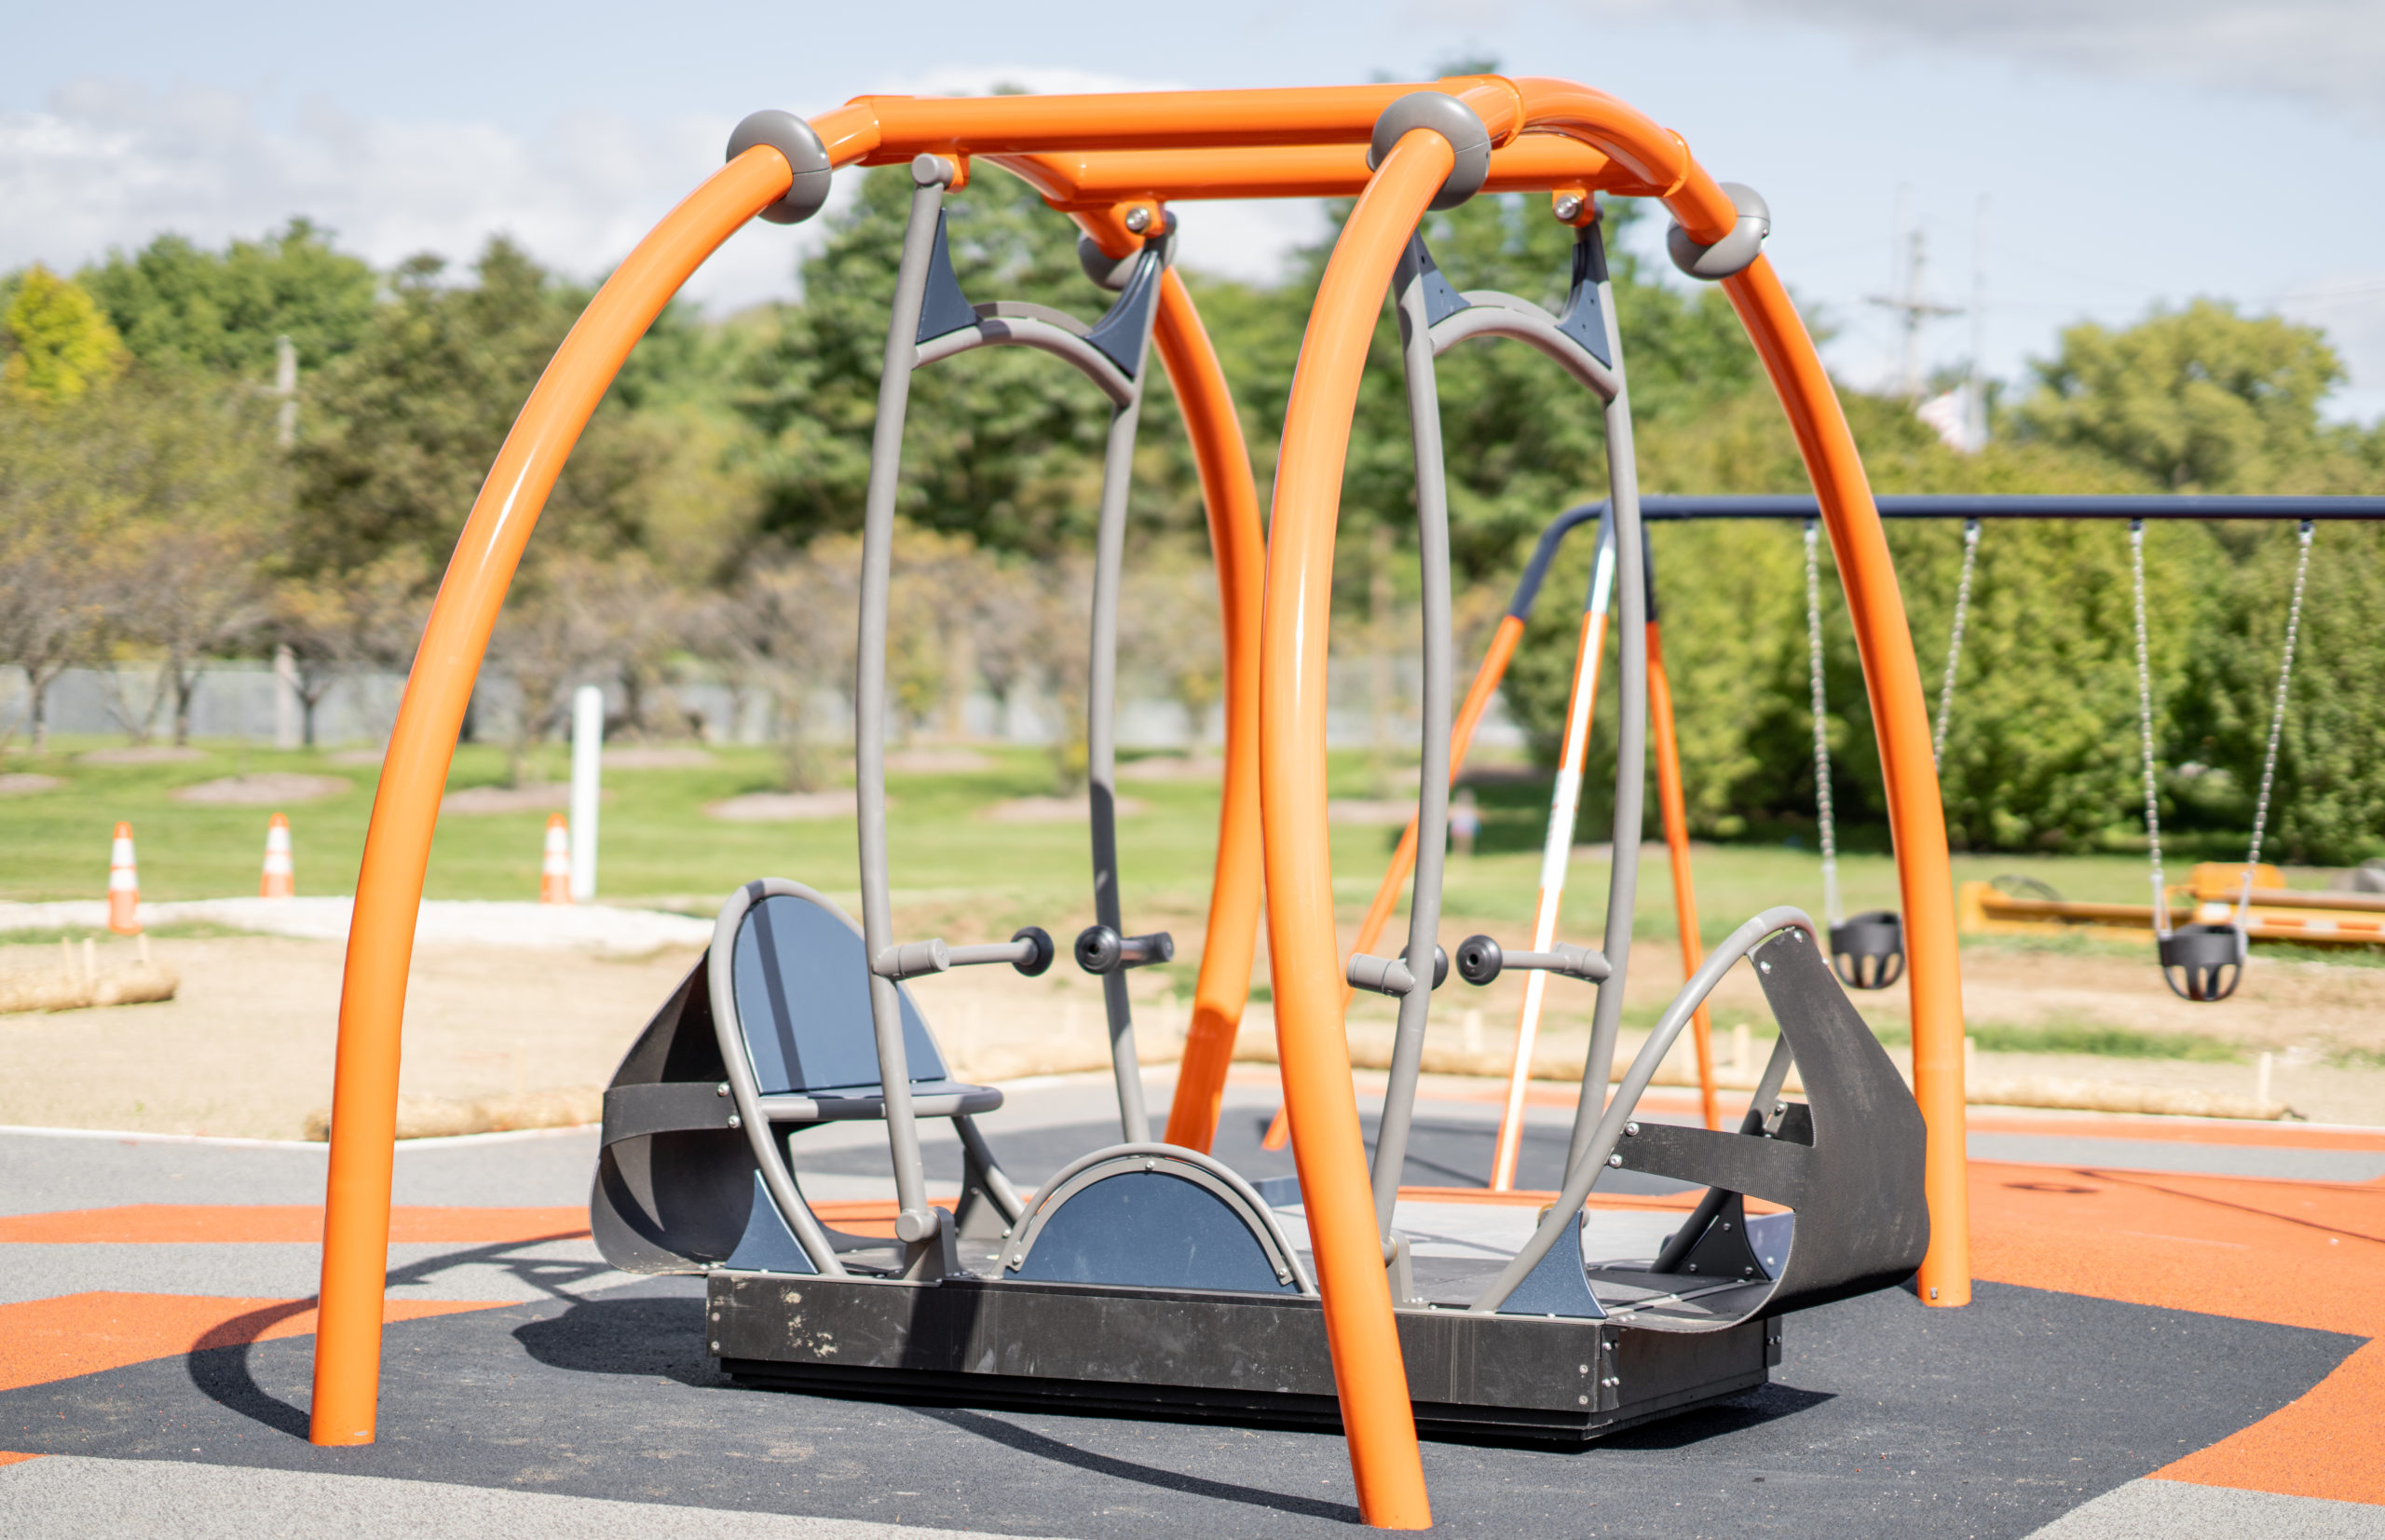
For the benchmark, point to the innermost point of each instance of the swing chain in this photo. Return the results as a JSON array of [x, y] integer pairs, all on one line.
[[2276, 726], [1821, 724], [1955, 643], [2145, 731]]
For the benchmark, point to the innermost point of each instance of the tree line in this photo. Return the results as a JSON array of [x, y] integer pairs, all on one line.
[[158, 507]]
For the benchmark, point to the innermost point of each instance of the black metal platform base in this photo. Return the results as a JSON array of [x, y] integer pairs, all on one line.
[[1143, 1352]]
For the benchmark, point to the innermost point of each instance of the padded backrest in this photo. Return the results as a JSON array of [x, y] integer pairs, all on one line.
[[801, 983]]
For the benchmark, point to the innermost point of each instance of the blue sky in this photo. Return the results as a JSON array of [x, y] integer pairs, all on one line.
[[2132, 152]]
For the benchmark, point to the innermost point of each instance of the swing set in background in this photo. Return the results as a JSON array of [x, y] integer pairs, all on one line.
[[2203, 928]]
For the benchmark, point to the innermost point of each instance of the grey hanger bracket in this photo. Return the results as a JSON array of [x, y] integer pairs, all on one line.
[[1119, 335], [1441, 300], [943, 309], [1582, 319]]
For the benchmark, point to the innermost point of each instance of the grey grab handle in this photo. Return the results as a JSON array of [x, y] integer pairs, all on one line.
[[1101, 949], [1029, 950], [1480, 960], [1389, 976]]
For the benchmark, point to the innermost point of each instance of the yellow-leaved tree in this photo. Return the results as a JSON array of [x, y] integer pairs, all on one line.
[[58, 343]]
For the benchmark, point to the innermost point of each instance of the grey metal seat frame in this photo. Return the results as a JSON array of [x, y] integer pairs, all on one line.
[[760, 1116], [931, 320], [1853, 1090], [1586, 342]]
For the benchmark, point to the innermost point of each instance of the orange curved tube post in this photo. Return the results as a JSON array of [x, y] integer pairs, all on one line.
[[1239, 541], [1900, 716], [1654, 155], [405, 810], [1675, 810], [1327, 1145]]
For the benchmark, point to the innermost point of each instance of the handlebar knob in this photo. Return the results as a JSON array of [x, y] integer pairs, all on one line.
[[1044, 951], [1102, 950], [1099, 950], [1479, 960]]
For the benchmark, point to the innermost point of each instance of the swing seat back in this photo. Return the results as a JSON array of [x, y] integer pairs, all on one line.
[[2202, 963], [1868, 950]]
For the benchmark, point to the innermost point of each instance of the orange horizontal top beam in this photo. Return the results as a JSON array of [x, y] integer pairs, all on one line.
[[1531, 163], [1313, 123], [904, 125]]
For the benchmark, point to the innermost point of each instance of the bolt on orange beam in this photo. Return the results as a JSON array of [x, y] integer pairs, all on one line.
[[1327, 1145], [1222, 987], [1900, 715], [422, 742]]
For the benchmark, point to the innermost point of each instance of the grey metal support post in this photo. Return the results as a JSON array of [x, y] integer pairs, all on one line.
[[1631, 728], [915, 1222], [1101, 728], [1433, 773]]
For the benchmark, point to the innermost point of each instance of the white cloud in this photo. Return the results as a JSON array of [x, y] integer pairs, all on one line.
[[2351, 307], [2326, 52], [111, 165]]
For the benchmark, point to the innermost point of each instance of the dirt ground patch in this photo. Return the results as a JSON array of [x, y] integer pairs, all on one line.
[[245, 1047]]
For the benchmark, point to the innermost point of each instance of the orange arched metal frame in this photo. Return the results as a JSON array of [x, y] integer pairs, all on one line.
[[1098, 157]]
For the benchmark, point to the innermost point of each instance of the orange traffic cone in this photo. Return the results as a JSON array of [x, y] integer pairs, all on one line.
[[124, 885], [281, 878], [554, 872]]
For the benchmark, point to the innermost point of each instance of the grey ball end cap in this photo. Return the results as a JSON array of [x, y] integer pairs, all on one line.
[[793, 138], [1734, 251], [1109, 272], [1455, 121]]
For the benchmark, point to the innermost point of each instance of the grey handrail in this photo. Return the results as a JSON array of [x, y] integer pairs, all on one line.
[[1101, 702], [1583, 1172], [915, 1222], [1036, 332], [1433, 783], [1495, 315], [1632, 708]]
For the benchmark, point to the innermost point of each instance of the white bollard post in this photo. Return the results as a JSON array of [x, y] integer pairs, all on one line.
[[289, 711], [587, 754]]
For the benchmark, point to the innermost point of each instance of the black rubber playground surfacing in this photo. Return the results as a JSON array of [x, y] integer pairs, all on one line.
[[1884, 1419]]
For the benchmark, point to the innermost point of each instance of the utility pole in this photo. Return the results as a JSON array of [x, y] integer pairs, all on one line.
[[1975, 401], [1913, 307]]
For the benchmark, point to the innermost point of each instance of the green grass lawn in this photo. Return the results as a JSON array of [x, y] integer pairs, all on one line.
[[659, 845]]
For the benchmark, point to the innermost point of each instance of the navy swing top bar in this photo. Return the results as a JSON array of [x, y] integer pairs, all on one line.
[[2028, 506]]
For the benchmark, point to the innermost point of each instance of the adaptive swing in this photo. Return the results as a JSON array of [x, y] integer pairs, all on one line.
[[2204, 961], [1072, 1309], [1868, 950]]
